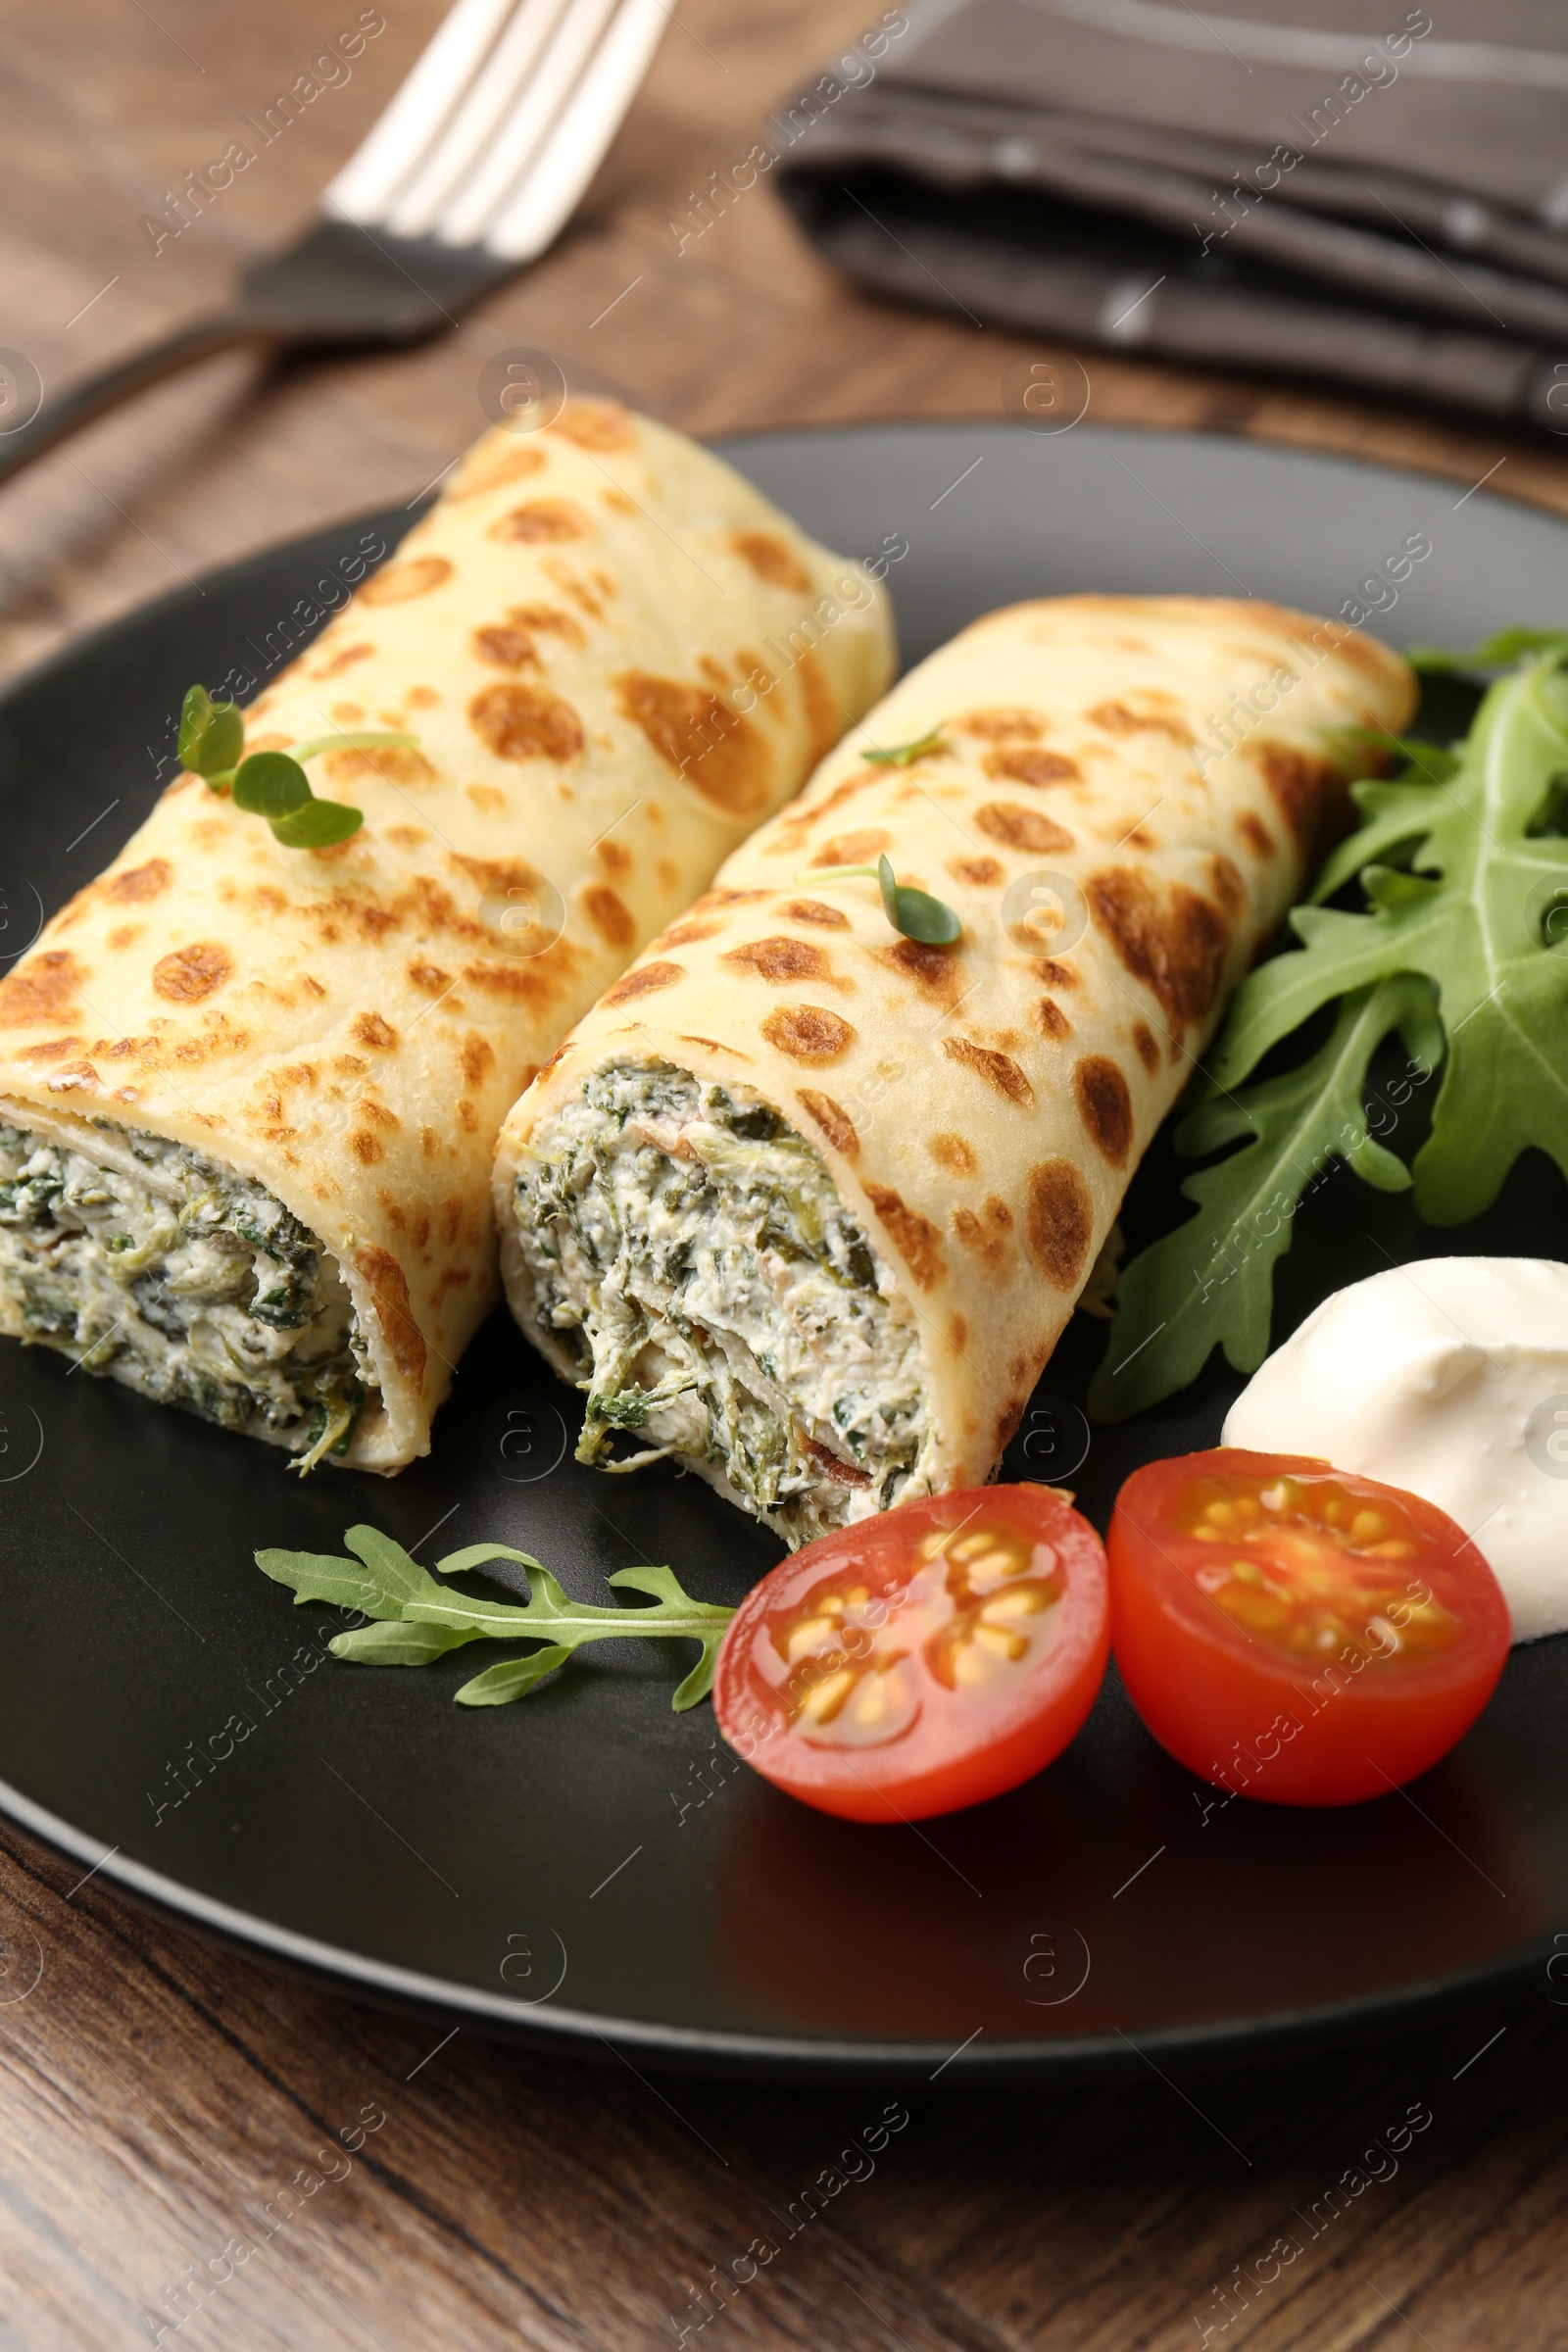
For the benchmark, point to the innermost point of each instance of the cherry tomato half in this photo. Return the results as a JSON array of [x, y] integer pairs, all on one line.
[[922, 1660], [1296, 1632]]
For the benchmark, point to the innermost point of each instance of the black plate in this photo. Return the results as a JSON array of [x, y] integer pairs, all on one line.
[[586, 1863]]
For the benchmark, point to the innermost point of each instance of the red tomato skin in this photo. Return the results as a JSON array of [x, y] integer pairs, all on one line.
[[889, 1786], [1225, 1709]]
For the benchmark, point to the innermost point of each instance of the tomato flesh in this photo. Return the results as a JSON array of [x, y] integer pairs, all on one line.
[[922, 1661], [1296, 1632]]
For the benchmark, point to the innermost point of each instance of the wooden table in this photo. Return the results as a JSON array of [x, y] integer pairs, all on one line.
[[156, 2095]]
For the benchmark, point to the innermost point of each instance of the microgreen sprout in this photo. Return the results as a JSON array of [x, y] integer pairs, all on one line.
[[270, 784]]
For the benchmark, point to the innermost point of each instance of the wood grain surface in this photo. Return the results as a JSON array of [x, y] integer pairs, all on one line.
[[191, 2145]]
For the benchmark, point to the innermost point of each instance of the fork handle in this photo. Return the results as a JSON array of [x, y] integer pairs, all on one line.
[[99, 393]]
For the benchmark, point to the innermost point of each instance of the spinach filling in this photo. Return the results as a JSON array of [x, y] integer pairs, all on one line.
[[690, 1251], [186, 1282]]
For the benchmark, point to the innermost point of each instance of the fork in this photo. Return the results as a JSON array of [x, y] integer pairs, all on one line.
[[469, 173]]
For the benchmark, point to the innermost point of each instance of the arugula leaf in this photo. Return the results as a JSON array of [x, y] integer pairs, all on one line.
[[1501, 652], [419, 1619], [1211, 1282], [1471, 915]]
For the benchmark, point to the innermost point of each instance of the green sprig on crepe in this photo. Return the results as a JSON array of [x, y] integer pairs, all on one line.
[[270, 784], [904, 754], [914, 913], [417, 1619], [1461, 946]]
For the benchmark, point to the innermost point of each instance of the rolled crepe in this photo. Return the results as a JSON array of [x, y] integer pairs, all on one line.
[[249, 1094], [807, 1204]]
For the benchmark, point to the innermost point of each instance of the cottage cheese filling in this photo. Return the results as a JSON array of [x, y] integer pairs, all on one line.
[[690, 1253], [193, 1285]]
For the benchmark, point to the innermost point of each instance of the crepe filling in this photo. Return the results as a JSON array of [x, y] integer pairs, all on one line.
[[188, 1282], [691, 1256]]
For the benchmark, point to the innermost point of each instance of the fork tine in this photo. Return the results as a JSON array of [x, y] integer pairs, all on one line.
[[465, 220], [547, 193], [475, 120], [402, 134]]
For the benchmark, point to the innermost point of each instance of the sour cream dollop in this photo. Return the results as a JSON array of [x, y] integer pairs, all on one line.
[[1448, 1378]]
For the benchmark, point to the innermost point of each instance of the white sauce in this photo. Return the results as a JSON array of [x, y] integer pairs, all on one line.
[[1448, 1378]]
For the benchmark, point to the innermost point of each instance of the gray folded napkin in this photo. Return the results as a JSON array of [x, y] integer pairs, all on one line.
[[1344, 189]]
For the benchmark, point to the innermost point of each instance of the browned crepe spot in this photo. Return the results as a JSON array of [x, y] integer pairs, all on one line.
[[618, 503], [1310, 794], [686, 935], [1002, 726], [1059, 1221], [393, 763], [852, 849], [54, 1049], [43, 990], [1052, 1022], [959, 1333], [771, 560], [988, 1233], [602, 424], [935, 971], [503, 647], [1173, 941], [609, 916], [365, 1146], [1054, 974], [807, 1033], [549, 618], [140, 881], [429, 976], [552, 520], [701, 738], [642, 982], [950, 1150], [998, 1071], [1007, 1420], [819, 706], [778, 960], [478, 1057], [71, 1076], [490, 467], [390, 1291], [1225, 881], [1025, 766], [813, 910], [343, 661], [835, 1122], [125, 935], [1147, 1050], [915, 1236], [1105, 1106], [1140, 714], [1257, 834], [187, 974], [374, 1034], [400, 583], [525, 722], [980, 871], [1018, 828]]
